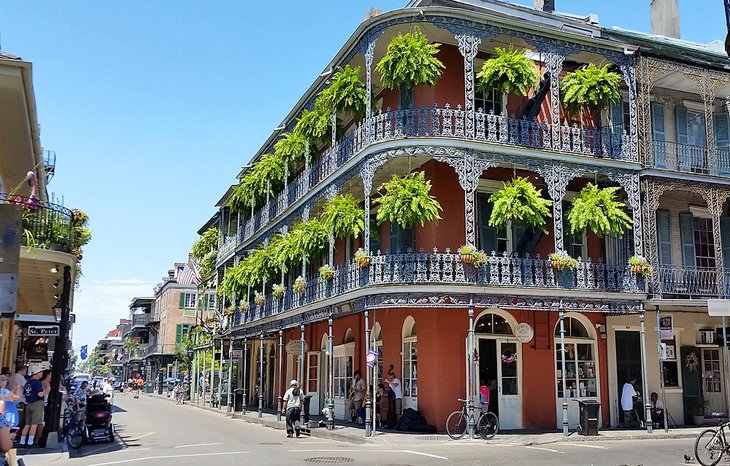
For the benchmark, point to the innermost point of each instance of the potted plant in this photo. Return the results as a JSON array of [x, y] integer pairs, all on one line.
[[698, 407], [561, 260], [640, 265], [519, 201], [509, 71], [229, 311], [259, 299], [347, 92], [480, 259], [468, 253], [409, 61], [245, 306], [590, 86], [598, 210], [343, 216], [278, 290], [326, 272], [299, 285], [291, 148], [362, 258], [406, 201]]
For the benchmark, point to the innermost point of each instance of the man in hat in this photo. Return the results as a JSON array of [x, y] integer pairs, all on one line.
[[292, 408], [34, 393]]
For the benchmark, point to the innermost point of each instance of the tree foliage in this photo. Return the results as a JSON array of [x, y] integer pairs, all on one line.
[[509, 71], [591, 86], [407, 201], [344, 216], [519, 200], [410, 60], [598, 210]]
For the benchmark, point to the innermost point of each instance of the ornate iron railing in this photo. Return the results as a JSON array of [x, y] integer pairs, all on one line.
[[158, 349], [680, 157], [227, 248], [437, 268], [45, 225], [140, 320], [690, 282], [446, 122]]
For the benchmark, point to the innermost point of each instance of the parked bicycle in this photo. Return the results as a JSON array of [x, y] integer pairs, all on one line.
[[458, 422], [711, 444]]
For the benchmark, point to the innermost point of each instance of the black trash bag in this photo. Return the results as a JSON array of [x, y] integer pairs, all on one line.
[[412, 421]]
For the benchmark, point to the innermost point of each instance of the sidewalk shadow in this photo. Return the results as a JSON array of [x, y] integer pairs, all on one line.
[[122, 441]]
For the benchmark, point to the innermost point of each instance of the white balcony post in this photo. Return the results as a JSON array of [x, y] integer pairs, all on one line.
[[470, 369], [369, 55], [644, 376], [278, 375], [562, 371], [261, 375], [554, 66], [469, 47], [245, 379]]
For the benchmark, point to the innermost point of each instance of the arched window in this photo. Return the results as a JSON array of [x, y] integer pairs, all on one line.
[[410, 363], [349, 336], [493, 323], [581, 371]]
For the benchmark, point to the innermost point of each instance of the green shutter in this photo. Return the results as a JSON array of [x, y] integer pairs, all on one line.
[[686, 228], [725, 239], [178, 333], [664, 237], [182, 300], [205, 302], [683, 153], [487, 234], [722, 141], [658, 135]]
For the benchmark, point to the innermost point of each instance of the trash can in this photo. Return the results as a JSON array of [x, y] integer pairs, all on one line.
[[149, 387], [305, 414], [238, 400], [588, 417]]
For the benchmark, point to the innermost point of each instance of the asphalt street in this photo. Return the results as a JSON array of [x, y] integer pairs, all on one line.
[[155, 431]]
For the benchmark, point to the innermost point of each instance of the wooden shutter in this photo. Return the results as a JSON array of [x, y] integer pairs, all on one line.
[[683, 155], [686, 229], [182, 300], [725, 240], [178, 333], [658, 135], [722, 141], [487, 234], [664, 237]]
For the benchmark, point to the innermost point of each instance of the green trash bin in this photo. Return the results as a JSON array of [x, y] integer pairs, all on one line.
[[149, 387]]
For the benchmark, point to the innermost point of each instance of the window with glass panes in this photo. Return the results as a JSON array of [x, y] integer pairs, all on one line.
[[410, 367], [402, 239], [342, 366], [190, 300], [581, 370], [574, 245], [704, 242], [669, 364], [488, 101], [211, 302]]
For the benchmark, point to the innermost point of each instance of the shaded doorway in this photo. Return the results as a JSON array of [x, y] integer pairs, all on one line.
[[628, 364]]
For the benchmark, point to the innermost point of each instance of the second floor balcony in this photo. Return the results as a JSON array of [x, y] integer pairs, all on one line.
[[690, 158], [45, 225], [140, 321], [689, 282]]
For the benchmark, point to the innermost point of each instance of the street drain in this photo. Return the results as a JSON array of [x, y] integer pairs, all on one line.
[[271, 443], [432, 437], [329, 459]]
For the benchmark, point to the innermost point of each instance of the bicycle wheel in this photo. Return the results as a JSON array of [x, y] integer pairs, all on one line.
[[488, 425], [456, 425], [709, 447], [75, 437]]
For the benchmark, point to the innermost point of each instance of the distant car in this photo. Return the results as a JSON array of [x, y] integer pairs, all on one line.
[[118, 384]]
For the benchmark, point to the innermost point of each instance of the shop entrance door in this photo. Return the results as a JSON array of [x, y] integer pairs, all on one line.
[[499, 365]]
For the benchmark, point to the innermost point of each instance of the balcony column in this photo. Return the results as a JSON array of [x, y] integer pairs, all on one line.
[[628, 70], [245, 379], [707, 90], [562, 370], [715, 203], [369, 55], [469, 47], [302, 356], [470, 378], [329, 195], [370, 401], [278, 376], [330, 379], [645, 376], [554, 63], [557, 181], [261, 375]]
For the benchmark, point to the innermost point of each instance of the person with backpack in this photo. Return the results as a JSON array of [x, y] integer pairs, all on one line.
[[292, 408]]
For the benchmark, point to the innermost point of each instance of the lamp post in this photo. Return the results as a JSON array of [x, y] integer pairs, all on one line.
[[191, 376], [60, 355]]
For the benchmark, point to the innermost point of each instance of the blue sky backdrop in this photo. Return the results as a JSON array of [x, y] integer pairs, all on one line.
[[153, 107]]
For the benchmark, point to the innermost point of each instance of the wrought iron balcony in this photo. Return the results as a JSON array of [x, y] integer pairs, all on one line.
[[687, 282], [158, 349], [447, 269], [450, 123], [140, 320], [227, 249], [45, 225], [688, 158]]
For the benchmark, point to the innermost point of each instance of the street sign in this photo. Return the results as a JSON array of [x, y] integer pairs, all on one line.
[[718, 307], [236, 353], [43, 331]]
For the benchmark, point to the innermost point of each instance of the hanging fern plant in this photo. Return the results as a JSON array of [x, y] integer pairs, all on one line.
[[308, 238], [519, 201], [590, 86], [598, 210], [406, 201], [344, 216], [347, 92], [409, 61], [290, 148], [315, 124], [509, 71], [244, 194]]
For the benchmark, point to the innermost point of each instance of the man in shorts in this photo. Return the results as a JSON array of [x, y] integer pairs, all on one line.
[[34, 393]]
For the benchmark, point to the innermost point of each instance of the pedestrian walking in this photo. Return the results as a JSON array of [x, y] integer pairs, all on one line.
[[292, 408], [33, 392], [140, 383]]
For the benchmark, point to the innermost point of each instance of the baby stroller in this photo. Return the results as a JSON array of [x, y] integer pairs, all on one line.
[[99, 425]]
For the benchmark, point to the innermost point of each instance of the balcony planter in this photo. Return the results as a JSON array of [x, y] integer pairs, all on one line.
[[278, 291], [409, 61], [245, 306], [590, 86], [362, 259], [598, 210], [406, 201], [519, 201], [562, 261], [508, 72], [639, 265], [326, 273], [299, 285], [259, 299], [467, 254]]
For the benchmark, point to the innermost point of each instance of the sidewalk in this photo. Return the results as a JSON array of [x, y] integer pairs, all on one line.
[[356, 434]]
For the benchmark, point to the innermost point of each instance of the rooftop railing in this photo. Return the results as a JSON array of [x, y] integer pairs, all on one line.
[[450, 123], [437, 268]]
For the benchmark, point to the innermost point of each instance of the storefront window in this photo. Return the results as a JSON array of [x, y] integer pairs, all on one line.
[[581, 370], [410, 368], [343, 375], [669, 365]]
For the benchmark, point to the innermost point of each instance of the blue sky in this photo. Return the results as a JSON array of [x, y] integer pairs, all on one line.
[[153, 107]]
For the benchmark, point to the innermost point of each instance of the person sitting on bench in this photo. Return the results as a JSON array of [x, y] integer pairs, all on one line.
[[657, 410]]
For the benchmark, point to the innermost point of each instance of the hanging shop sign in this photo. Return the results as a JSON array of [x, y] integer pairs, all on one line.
[[524, 332], [665, 327], [295, 347]]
